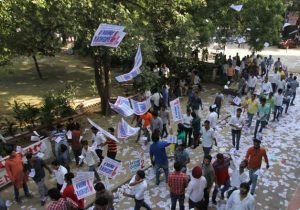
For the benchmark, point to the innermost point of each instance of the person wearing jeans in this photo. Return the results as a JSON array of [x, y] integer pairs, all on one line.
[[263, 111], [158, 155], [177, 183], [251, 105], [221, 166], [88, 156], [254, 159], [98, 140], [278, 101], [208, 137], [237, 123], [139, 186]]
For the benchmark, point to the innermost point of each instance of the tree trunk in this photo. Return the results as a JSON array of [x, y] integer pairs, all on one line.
[[107, 81], [37, 67]]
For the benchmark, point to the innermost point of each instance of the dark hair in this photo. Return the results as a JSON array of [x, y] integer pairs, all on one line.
[[93, 128], [245, 185], [63, 148], [28, 156], [206, 121], [55, 163], [280, 90], [193, 114], [180, 127], [111, 129], [256, 141], [263, 100], [220, 156], [102, 201], [9, 149], [208, 157], [295, 77], [177, 166], [54, 194], [155, 113], [99, 186], [155, 135], [84, 142], [141, 174], [69, 176]]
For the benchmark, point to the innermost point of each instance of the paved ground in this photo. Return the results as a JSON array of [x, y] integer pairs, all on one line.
[[275, 188]]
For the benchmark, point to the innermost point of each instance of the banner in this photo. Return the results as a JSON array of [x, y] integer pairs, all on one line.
[[122, 106], [109, 167], [135, 165], [104, 132], [125, 130], [108, 35], [171, 139], [176, 109], [141, 108], [237, 8], [83, 185], [237, 101], [138, 59]]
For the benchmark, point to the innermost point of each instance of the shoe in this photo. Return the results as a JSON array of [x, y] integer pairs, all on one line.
[[28, 195], [19, 201], [214, 202]]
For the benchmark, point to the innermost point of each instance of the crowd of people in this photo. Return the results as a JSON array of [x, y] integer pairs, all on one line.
[[268, 91]]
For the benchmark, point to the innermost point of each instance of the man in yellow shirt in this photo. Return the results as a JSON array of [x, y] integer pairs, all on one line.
[[251, 106]]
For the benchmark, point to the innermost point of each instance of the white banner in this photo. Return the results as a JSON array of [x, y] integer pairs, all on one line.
[[109, 167], [141, 108], [176, 110], [105, 133], [122, 109], [108, 35], [125, 130], [237, 8], [138, 59], [83, 185]]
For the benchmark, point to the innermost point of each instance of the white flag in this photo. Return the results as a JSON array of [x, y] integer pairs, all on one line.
[[237, 8], [125, 130], [108, 35], [105, 133], [176, 109], [141, 108]]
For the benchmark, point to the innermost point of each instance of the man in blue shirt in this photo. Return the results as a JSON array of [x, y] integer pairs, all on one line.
[[158, 155]]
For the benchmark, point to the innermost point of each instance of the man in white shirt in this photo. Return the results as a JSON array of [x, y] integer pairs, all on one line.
[[195, 188], [274, 78], [59, 173], [241, 199], [155, 98], [98, 140], [266, 87], [278, 102], [88, 156], [139, 186], [251, 83], [213, 117], [281, 84], [236, 122], [208, 136], [187, 123], [165, 71]]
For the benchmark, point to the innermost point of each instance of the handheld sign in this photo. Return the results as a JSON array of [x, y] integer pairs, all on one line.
[[108, 35], [109, 167]]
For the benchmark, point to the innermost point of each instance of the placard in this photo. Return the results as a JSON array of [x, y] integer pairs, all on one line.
[[125, 130], [176, 110], [109, 167], [135, 165], [108, 35], [83, 186]]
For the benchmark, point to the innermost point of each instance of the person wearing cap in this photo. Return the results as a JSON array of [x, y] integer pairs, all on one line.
[[195, 189], [182, 156], [254, 157], [213, 116], [236, 122], [221, 167], [241, 199], [208, 137], [177, 182], [251, 105], [209, 174], [262, 113], [98, 140]]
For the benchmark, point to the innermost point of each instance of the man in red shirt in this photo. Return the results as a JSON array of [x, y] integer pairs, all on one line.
[[221, 166], [177, 182], [254, 158], [145, 119]]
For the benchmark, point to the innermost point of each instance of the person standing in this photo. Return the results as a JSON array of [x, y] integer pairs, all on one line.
[[251, 106], [277, 64], [102, 192], [158, 156], [230, 72], [145, 120], [35, 167], [181, 135], [262, 120], [59, 172], [241, 199], [294, 85], [288, 94], [156, 122], [254, 159], [209, 174], [177, 182], [15, 171], [75, 142], [213, 117], [112, 146], [221, 166], [195, 189], [69, 191], [208, 137], [57, 202], [218, 102], [196, 103], [236, 122], [98, 141], [165, 117], [251, 83], [266, 87], [88, 157], [139, 186], [182, 156], [196, 125], [187, 123], [155, 99], [278, 102], [59, 134]]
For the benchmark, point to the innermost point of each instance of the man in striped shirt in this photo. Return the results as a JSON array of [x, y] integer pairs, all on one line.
[[111, 145]]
